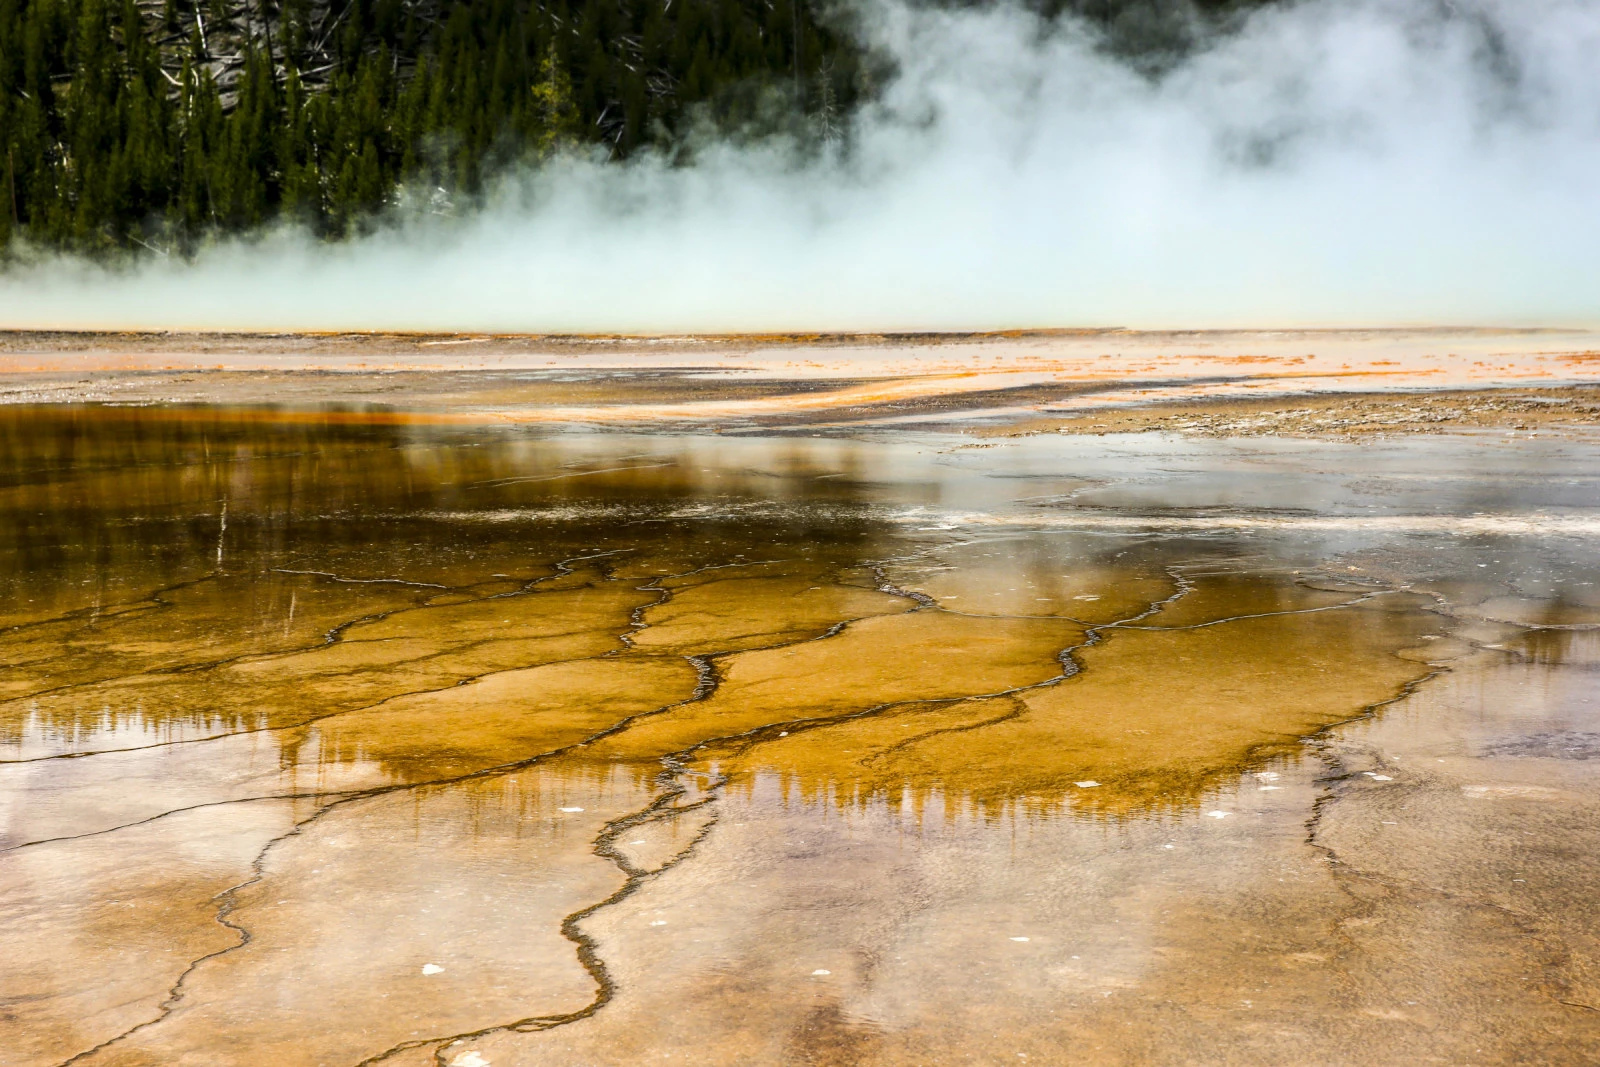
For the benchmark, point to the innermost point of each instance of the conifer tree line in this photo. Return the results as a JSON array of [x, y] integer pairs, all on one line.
[[128, 124], [153, 122]]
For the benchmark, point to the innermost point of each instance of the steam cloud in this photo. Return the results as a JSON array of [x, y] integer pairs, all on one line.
[[1329, 163]]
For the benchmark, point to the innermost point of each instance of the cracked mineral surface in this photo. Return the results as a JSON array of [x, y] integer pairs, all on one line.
[[333, 737]]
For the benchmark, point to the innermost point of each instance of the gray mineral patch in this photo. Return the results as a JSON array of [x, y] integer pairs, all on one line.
[[1561, 744]]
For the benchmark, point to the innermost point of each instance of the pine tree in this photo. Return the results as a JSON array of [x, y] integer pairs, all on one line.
[[554, 108]]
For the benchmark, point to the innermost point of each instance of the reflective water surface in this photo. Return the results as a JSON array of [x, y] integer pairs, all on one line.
[[338, 737]]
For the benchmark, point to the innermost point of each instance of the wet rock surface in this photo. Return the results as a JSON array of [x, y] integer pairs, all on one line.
[[332, 738]]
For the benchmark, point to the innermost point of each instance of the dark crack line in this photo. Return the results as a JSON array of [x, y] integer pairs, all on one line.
[[1525, 924], [564, 567], [1182, 587], [636, 621], [228, 899], [636, 618], [1018, 709], [1558, 954], [705, 662], [149, 601], [334, 636], [709, 567], [887, 586], [361, 581], [1326, 798], [329, 639], [315, 719], [156, 602], [588, 947], [1258, 615], [66, 838], [940, 606], [571, 474]]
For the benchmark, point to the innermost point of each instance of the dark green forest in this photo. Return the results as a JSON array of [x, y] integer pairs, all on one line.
[[129, 124]]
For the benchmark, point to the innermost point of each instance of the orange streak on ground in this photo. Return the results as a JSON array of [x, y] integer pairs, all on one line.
[[897, 368]]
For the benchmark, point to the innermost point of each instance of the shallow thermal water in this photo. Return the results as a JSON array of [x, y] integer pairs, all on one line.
[[337, 738]]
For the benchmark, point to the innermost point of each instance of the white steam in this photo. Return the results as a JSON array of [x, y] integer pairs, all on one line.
[[1333, 162]]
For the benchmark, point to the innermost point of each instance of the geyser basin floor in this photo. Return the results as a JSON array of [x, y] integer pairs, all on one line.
[[344, 741], [1072, 379]]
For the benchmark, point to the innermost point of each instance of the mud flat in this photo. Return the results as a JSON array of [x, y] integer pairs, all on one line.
[[350, 735]]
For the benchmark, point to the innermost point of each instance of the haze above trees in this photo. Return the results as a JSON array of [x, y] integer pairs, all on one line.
[[152, 124]]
